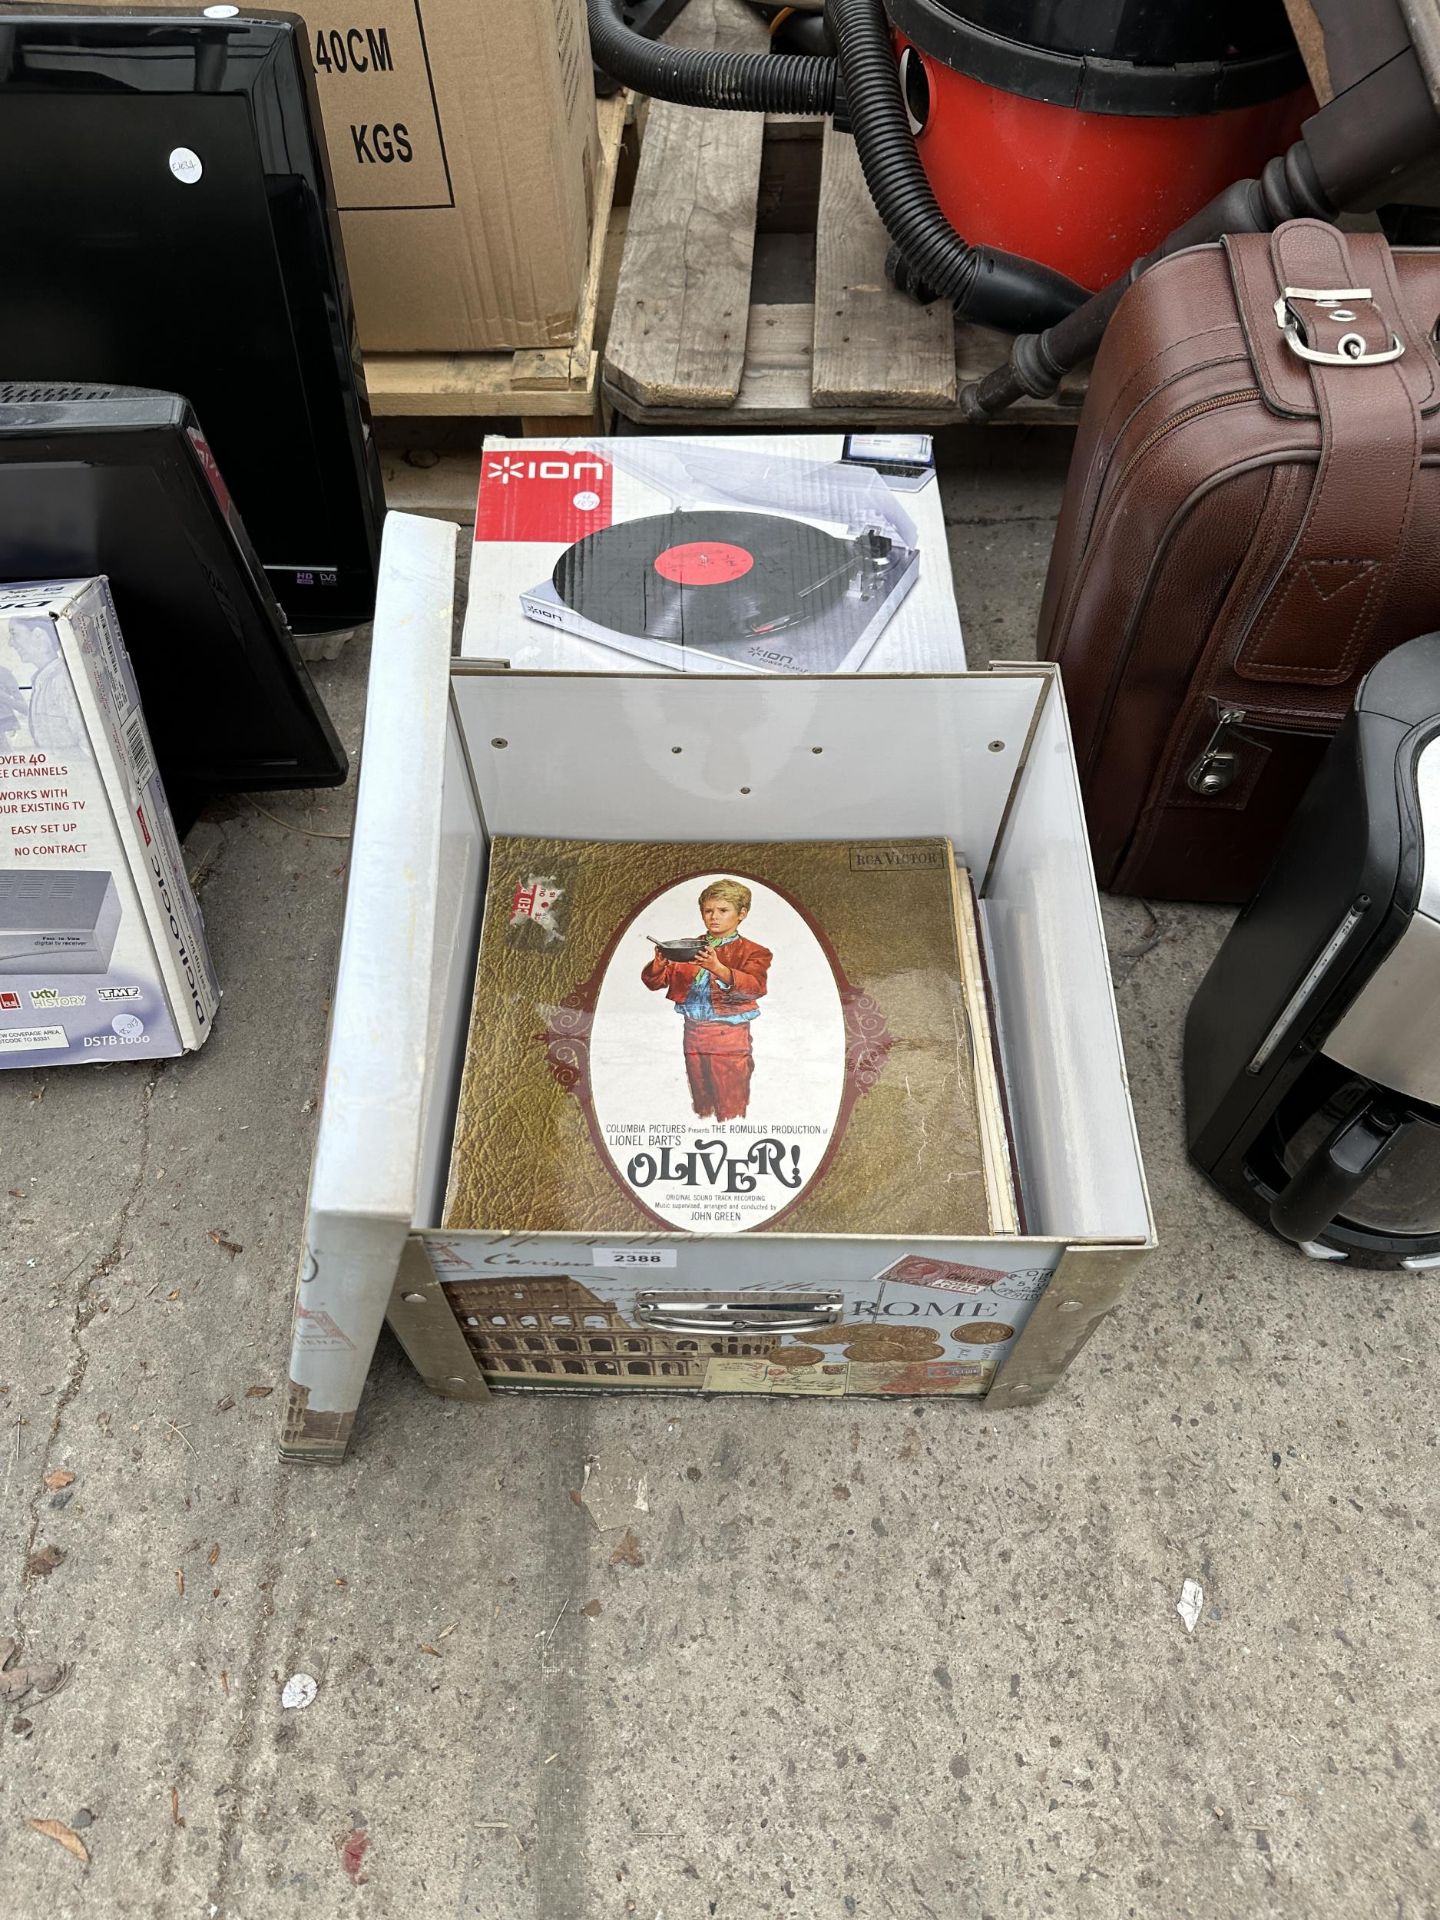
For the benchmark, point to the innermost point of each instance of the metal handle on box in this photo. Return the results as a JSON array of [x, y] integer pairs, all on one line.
[[772, 1313]]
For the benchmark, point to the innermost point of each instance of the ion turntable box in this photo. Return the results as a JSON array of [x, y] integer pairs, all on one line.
[[102, 949], [749, 554]]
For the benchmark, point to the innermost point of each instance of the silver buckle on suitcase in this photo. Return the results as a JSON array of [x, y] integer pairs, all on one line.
[[1335, 301]]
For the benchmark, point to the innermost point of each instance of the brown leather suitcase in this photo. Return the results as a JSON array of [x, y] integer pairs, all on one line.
[[1252, 517]]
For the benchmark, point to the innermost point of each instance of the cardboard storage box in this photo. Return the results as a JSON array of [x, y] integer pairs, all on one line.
[[832, 557], [102, 948], [455, 752], [461, 136]]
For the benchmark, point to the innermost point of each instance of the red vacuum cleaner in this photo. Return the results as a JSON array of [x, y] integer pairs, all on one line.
[[1034, 150], [1079, 132]]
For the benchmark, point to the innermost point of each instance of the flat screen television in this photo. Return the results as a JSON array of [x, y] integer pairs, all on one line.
[[96, 480], [167, 220]]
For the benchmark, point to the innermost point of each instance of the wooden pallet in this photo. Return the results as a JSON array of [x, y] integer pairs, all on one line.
[[708, 312], [554, 387]]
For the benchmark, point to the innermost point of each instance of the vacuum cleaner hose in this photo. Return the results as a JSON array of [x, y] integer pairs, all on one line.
[[701, 77], [997, 289], [1287, 189], [994, 288]]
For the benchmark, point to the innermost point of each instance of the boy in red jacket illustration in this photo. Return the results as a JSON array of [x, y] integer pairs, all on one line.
[[716, 995]]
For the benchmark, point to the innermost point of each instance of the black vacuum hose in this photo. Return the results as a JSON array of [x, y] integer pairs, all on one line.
[[981, 283], [997, 289], [701, 77], [1287, 189]]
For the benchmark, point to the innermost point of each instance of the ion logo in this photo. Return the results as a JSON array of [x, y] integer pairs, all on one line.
[[510, 466], [550, 496]]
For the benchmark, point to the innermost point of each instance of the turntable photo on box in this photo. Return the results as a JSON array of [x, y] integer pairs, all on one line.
[[725, 587]]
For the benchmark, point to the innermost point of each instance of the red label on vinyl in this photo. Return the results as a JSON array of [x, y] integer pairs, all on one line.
[[703, 563], [543, 496]]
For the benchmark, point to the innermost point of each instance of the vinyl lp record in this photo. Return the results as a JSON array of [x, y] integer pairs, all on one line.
[[704, 578]]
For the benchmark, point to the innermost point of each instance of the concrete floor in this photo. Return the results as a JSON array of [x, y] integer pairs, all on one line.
[[877, 1661]]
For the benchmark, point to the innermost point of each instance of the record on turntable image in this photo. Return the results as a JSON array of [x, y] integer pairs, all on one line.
[[717, 590]]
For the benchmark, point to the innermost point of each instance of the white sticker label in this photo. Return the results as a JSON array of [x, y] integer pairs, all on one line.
[[633, 1257], [137, 745], [914, 447], [31, 1039], [185, 165]]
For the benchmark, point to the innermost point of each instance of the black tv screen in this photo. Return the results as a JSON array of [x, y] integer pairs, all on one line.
[[168, 222], [124, 484]]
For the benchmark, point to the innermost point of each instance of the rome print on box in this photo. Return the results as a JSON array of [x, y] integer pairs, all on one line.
[[727, 1038]]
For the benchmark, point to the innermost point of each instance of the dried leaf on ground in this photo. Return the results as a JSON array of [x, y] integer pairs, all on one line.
[[628, 1553], [36, 1676], [41, 1565], [425, 1647], [66, 1836], [591, 1609], [60, 1478], [213, 1555], [180, 1581], [225, 1405], [258, 1393], [176, 1817], [232, 1247], [352, 1852]]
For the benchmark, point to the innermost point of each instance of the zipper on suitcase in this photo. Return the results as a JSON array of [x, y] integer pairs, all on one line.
[[1218, 763], [1185, 415], [1215, 769]]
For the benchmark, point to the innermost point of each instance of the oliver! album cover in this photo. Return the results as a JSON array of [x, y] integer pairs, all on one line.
[[730, 1038]]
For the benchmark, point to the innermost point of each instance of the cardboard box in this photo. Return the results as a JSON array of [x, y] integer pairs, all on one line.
[[454, 753], [759, 553], [462, 144], [102, 948], [461, 137]]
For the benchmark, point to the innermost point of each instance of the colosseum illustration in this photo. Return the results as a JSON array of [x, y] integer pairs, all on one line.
[[552, 1330]]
